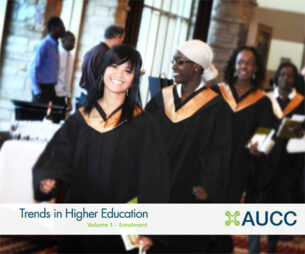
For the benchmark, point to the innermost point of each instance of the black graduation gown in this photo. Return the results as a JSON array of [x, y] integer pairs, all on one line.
[[111, 167], [287, 184], [196, 135], [248, 112]]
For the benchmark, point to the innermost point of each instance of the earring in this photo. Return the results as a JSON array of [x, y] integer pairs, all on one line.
[[235, 74], [253, 76], [127, 92], [196, 69]]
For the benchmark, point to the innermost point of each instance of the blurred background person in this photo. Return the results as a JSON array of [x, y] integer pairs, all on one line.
[[63, 86], [114, 35], [44, 67], [300, 82], [287, 185]]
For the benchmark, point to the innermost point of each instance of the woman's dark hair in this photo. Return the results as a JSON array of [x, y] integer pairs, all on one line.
[[229, 77], [279, 69], [117, 56]]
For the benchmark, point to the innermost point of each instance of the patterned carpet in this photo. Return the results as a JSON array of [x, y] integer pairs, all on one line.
[[292, 245], [47, 245], [26, 244]]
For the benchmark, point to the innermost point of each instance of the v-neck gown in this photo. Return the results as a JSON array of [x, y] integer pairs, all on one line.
[[196, 136], [287, 185], [111, 167], [246, 171]]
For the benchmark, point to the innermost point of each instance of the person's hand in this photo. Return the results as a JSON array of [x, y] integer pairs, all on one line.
[[200, 193], [69, 104], [47, 185], [145, 241], [298, 132], [254, 151]]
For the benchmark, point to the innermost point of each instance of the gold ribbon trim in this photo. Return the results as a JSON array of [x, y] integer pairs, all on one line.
[[246, 102], [293, 104], [98, 123], [187, 110]]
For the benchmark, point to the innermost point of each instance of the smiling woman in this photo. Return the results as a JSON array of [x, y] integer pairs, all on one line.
[[108, 152], [249, 170], [192, 118], [118, 78], [250, 109]]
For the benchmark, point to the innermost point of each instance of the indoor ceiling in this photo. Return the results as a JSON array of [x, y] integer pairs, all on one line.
[[284, 5]]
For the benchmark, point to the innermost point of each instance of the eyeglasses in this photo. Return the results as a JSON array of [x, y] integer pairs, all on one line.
[[181, 62]]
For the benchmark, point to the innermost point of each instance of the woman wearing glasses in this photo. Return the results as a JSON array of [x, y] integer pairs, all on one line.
[[196, 130]]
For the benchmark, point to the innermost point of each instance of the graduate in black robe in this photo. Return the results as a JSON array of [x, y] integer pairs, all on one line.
[[195, 124], [287, 184], [108, 152], [250, 171], [250, 109]]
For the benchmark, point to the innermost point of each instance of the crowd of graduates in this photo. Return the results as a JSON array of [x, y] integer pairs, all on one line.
[[187, 146]]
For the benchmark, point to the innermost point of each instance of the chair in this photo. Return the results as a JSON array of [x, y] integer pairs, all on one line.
[[157, 83]]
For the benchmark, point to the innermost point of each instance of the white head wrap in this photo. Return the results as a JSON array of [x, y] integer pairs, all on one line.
[[202, 54]]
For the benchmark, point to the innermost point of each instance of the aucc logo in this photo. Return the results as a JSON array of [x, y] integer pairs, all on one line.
[[276, 218], [232, 218]]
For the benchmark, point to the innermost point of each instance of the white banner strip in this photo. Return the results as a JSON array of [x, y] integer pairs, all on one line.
[[150, 219]]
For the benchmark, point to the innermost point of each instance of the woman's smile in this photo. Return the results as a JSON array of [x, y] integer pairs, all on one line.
[[116, 81]]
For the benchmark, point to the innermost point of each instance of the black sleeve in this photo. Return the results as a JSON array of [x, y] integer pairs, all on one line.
[[266, 117], [55, 162], [215, 155], [151, 106], [153, 185], [266, 164]]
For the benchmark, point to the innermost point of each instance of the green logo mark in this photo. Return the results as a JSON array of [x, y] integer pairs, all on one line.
[[232, 218]]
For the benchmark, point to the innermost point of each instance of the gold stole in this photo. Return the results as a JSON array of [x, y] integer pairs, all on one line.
[[292, 105], [112, 122], [188, 109], [246, 102]]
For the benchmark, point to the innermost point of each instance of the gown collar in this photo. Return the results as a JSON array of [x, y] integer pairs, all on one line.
[[102, 112], [179, 88], [189, 107], [290, 96], [104, 124], [295, 100], [248, 99]]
